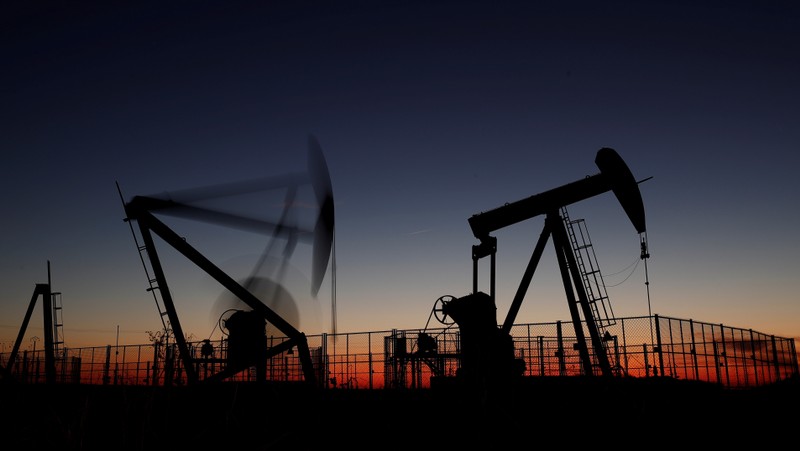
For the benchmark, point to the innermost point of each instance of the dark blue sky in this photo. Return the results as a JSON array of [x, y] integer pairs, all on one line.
[[427, 113]]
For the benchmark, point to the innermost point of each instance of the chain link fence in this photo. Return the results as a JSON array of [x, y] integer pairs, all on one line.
[[406, 359]]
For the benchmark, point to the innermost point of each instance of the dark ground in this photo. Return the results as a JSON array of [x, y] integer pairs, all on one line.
[[535, 413]]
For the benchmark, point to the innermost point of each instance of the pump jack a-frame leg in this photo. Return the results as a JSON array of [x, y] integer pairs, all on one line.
[[43, 290]]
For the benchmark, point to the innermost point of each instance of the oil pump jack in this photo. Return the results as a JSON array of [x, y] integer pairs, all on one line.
[[247, 341], [487, 352]]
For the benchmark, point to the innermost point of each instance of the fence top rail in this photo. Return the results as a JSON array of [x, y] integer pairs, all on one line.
[[452, 329]]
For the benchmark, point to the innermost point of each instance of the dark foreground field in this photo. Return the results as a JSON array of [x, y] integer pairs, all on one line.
[[536, 413]]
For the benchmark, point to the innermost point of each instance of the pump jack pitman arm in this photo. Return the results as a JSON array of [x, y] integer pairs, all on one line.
[[614, 176]]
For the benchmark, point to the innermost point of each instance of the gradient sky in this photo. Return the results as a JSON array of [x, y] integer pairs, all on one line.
[[427, 113]]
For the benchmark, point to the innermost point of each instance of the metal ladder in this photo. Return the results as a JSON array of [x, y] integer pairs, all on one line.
[[152, 281], [153, 284], [58, 324], [586, 260]]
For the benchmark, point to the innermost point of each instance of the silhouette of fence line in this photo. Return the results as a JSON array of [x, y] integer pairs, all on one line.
[[402, 359]]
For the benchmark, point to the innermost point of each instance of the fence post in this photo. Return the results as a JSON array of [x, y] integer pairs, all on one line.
[[658, 346], [724, 354], [694, 351], [775, 359], [371, 370], [562, 367], [156, 351], [753, 356], [107, 366]]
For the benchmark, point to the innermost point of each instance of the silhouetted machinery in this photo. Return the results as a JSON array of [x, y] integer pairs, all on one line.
[[53, 339], [487, 351], [247, 341]]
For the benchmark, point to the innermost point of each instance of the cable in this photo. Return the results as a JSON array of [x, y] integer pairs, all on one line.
[[635, 262], [626, 277]]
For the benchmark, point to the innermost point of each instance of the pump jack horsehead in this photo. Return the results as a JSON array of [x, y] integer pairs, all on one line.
[[247, 345]]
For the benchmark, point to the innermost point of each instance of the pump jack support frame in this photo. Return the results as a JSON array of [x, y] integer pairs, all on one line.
[[614, 176]]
